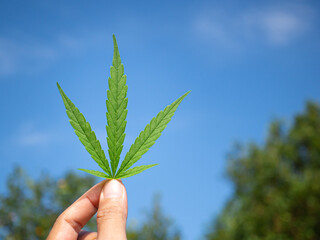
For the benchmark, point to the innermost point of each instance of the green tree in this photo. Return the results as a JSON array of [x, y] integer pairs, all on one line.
[[277, 185], [29, 207], [156, 226]]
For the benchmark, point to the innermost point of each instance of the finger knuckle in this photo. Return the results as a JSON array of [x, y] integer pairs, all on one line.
[[110, 210], [73, 223]]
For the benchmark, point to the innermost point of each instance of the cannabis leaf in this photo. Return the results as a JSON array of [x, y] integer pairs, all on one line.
[[116, 103]]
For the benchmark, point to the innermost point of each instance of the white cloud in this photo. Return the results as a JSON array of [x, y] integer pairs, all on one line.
[[29, 136], [17, 57], [33, 139], [279, 25], [81, 41], [31, 55], [216, 31]]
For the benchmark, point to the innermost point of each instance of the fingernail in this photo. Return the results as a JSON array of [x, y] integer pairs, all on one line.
[[112, 189]]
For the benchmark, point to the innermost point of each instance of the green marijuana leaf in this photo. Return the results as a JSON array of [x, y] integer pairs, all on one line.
[[116, 125]]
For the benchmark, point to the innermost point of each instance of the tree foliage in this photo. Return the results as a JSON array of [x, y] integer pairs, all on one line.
[[29, 208], [277, 188], [156, 226]]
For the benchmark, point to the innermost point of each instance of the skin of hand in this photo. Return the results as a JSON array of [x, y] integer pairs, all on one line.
[[109, 199]]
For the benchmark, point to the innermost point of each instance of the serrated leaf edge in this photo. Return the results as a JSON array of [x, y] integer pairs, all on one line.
[[95, 173], [103, 163], [134, 171], [131, 159], [116, 109]]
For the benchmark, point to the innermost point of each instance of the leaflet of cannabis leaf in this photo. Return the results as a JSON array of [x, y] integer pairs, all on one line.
[[86, 135], [116, 124], [116, 109]]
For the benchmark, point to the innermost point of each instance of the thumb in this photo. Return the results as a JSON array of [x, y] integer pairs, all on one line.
[[112, 211]]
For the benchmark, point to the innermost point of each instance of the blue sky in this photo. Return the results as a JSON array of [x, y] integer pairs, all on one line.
[[246, 62]]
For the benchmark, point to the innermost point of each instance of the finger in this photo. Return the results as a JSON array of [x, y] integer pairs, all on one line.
[[112, 212], [84, 235], [71, 221]]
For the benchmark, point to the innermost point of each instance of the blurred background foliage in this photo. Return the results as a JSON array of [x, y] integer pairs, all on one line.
[[277, 188], [30, 207], [276, 193]]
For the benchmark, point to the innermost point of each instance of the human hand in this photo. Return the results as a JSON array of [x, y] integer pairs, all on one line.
[[109, 198]]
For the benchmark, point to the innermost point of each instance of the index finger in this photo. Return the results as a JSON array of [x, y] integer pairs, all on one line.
[[74, 218]]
